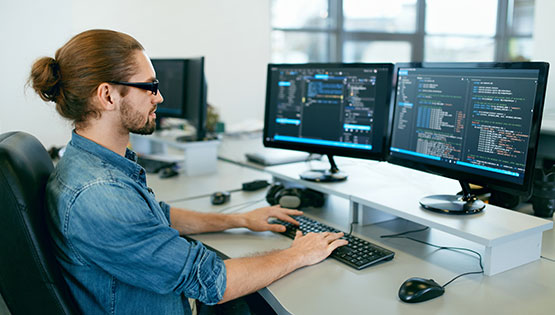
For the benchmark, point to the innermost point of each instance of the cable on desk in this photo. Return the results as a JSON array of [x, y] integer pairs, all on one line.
[[248, 186], [241, 205], [199, 196], [402, 235], [351, 229], [549, 259]]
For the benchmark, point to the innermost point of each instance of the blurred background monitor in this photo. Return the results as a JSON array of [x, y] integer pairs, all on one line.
[[328, 108], [478, 123], [183, 86]]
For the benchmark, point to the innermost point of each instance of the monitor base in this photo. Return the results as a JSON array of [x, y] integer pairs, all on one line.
[[323, 176], [326, 176], [452, 204]]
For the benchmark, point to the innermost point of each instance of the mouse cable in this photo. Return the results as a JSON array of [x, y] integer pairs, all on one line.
[[547, 258], [351, 229], [402, 235], [241, 206], [391, 235], [248, 186], [198, 196]]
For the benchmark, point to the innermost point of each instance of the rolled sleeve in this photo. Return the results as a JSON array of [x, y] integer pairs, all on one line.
[[209, 283], [122, 235]]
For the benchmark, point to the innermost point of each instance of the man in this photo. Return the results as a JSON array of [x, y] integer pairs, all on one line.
[[121, 250]]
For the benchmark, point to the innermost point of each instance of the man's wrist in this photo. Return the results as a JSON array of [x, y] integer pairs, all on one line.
[[238, 220], [295, 257]]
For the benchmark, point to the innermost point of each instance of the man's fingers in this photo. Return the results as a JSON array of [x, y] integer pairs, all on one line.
[[337, 243], [285, 214], [332, 236], [298, 234], [293, 212], [286, 218], [276, 227]]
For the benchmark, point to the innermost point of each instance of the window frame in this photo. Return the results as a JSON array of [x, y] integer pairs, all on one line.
[[337, 35]]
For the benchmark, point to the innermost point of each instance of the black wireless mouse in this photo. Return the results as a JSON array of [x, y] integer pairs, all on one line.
[[220, 197], [416, 290]]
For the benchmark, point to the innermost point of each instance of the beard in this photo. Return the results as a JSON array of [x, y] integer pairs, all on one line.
[[134, 121]]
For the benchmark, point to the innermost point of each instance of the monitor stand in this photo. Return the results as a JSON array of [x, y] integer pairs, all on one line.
[[454, 204], [331, 175]]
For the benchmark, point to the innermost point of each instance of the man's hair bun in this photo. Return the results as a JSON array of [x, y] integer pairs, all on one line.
[[45, 78]]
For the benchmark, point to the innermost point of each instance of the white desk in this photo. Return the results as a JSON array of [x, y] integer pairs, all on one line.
[[334, 288], [510, 239]]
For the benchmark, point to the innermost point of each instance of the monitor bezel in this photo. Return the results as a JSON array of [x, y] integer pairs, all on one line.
[[199, 116], [423, 164], [161, 110], [373, 154]]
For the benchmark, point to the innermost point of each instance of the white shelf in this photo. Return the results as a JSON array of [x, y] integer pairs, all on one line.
[[381, 191]]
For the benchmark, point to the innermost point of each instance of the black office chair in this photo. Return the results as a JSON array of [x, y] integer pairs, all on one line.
[[30, 278]]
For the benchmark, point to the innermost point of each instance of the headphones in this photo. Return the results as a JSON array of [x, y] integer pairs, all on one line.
[[294, 197]]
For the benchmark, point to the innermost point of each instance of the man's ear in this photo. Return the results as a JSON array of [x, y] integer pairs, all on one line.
[[107, 96]]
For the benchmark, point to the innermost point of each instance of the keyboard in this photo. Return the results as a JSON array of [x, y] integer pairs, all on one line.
[[358, 254]]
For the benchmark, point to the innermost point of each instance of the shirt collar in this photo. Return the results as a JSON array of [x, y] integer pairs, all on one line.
[[127, 164]]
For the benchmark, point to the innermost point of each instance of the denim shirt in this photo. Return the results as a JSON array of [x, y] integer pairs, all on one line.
[[114, 241]]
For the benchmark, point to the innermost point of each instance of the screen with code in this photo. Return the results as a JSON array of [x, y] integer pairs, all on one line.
[[477, 121], [319, 107]]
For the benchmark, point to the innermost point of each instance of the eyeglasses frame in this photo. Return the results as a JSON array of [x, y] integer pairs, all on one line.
[[148, 86]]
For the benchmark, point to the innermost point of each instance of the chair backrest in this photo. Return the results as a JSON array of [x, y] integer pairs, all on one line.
[[30, 278]]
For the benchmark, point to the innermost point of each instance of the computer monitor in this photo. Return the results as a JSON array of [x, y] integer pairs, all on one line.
[[329, 108], [475, 122], [183, 85]]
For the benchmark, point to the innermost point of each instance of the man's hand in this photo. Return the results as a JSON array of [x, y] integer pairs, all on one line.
[[315, 247], [248, 274], [257, 220]]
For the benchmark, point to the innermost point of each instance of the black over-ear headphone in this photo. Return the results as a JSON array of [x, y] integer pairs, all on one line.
[[294, 197]]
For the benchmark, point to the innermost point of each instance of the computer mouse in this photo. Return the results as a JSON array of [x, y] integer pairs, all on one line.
[[220, 197], [167, 172], [416, 290]]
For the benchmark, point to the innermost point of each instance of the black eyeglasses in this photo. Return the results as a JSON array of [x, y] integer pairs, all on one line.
[[149, 86]]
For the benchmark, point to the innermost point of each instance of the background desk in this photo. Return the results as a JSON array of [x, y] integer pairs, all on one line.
[[331, 287]]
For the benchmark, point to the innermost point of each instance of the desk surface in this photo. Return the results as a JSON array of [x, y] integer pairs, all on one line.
[[331, 287]]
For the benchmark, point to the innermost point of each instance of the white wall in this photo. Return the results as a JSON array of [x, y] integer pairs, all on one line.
[[544, 45], [30, 29], [234, 36]]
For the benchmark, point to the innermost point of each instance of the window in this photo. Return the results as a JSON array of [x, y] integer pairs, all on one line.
[[521, 27], [380, 16], [458, 31], [376, 51], [300, 14], [299, 47], [401, 30]]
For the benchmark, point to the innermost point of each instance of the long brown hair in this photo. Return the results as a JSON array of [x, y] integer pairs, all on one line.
[[79, 67]]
